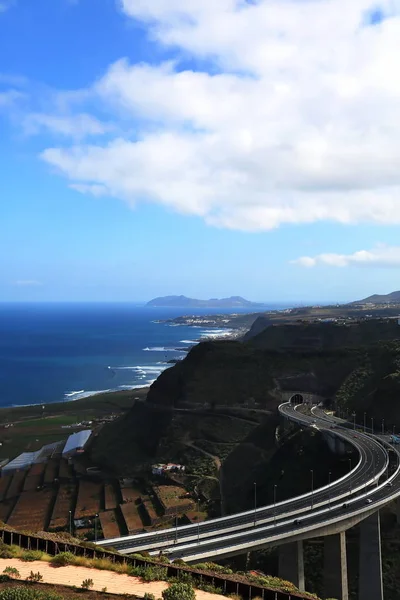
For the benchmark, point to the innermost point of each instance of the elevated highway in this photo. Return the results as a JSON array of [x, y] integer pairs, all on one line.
[[328, 511]]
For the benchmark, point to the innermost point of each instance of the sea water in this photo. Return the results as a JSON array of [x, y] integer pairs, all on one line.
[[56, 352]]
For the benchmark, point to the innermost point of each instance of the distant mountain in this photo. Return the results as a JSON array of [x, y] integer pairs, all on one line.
[[184, 302], [393, 298]]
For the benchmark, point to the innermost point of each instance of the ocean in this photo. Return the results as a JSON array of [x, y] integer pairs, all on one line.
[[63, 352]]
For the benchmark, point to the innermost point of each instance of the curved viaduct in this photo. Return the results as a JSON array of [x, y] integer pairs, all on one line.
[[326, 512]]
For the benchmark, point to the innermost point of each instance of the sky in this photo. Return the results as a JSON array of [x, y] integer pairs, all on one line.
[[199, 147]]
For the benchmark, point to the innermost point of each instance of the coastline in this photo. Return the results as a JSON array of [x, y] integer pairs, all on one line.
[[100, 401]]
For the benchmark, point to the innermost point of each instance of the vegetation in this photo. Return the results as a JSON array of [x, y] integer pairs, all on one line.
[[12, 572], [87, 584], [35, 577], [26, 593], [179, 591]]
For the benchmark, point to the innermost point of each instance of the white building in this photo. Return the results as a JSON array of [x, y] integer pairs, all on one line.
[[76, 443]]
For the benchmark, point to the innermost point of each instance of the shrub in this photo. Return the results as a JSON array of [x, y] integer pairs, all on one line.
[[104, 590], [153, 573], [87, 584], [179, 591], [182, 577], [149, 596], [63, 559], [31, 555], [35, 577], [102, 563], [5, 551], [80, 561], [211, 589], [179, 561], [4, 578], [12, 572], [26, 593]]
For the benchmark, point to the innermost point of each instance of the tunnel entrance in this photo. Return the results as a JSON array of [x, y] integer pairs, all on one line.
[[297, 399]]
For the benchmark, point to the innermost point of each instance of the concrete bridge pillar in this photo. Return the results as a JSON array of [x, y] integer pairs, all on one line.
[[291, 564], [370, 586], [335, 567], [340, 447]]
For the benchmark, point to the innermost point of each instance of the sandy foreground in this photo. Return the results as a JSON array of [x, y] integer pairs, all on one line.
[[73, 576]]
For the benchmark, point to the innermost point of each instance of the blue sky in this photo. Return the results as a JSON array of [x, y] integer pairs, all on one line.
[[203, 148]]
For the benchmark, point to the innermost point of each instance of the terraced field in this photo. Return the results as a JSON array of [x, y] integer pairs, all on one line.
[[32, 510], [89, 500], [63, 504]]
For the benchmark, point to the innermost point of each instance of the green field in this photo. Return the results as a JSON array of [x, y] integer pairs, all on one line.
[[33, 427]]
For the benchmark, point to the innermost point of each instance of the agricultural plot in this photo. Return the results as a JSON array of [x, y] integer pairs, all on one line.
[[109, 524], [31, 483], [16, 484], [34, 477], [132, 518], [4, 483], [148, 507], [37, 469], [89, 499], [63, 504], [31, 511], [130, 494], [110, 497], [173, 499], [51, 471], [5, 509], [66, 471]]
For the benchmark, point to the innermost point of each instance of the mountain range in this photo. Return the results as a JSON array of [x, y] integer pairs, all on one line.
[[392, 298], [184, 302]]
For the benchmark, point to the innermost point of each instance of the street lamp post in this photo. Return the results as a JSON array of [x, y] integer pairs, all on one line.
[[383, 426], [275, 486], [372, 425], [70, 522], [95, 527], [329, 488], [312, 488], [354, 420], [255, 503], [198, 522], [176, 528]]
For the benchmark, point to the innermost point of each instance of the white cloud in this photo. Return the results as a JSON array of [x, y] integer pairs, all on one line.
[[300, 124], [9, 98], [5, 5], [27, 283], [76, 126], [380, 256]]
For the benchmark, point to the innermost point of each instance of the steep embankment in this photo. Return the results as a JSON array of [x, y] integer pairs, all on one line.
[[347, 362]]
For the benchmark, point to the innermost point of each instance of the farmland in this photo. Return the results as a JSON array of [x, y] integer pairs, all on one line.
[[4, 483], [110, 497], [55, 492], [51, 471], [89, 499], [173, 499], [16, 484], [31, 510], [63, 504], [132, 518], [109, 524], [34, 477]]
